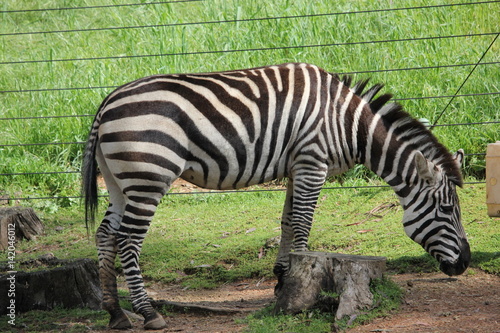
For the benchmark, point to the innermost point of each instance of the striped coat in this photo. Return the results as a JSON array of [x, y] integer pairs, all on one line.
[[233, 129]]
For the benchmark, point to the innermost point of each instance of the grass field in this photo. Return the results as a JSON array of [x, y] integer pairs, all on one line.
[[56, 67]]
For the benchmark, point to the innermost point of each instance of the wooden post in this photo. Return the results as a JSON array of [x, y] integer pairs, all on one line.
[[338, 282], [18, 223]]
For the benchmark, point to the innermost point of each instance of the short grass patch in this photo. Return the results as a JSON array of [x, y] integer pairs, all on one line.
[[58, 319]]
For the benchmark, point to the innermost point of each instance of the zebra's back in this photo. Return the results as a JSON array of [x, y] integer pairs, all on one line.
[[217, 130]]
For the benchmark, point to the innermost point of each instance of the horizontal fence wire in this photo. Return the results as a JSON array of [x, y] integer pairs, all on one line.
[[38, 173], [84, 142], [339, 73], [184, 54], [283, 189]]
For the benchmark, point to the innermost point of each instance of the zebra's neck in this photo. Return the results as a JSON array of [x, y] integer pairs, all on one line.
[[383, 137], [385, 153]]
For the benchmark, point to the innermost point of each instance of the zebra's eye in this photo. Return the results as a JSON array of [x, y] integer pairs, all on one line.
[[447, 209]]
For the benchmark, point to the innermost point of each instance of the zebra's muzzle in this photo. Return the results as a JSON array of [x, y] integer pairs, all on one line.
[[461, 264]]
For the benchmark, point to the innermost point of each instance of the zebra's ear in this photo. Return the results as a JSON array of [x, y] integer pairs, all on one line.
[[425, 168], [459, 157]]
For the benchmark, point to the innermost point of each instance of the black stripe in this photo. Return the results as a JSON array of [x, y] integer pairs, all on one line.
[[144, 188], [278, 119], [143, 200], [437, 229], [233, 103], [151, 176], [135, 156], [139, 211]]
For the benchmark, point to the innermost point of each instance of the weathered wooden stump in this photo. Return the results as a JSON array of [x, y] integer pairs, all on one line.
[[17, 223], [338, 282], [67, 284]]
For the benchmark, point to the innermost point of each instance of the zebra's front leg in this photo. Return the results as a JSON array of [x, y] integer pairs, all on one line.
[[282, 261], [301, 198], [106, 249], [129, 248]]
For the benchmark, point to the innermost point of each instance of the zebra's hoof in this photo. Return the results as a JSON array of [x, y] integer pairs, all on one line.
[[119, 321], [156, 322], [277, 288], [279, 285]]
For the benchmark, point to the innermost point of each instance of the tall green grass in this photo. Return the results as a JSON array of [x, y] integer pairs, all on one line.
[[261, 36]]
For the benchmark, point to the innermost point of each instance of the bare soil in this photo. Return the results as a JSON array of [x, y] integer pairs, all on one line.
[[432, 303], [436, 303]]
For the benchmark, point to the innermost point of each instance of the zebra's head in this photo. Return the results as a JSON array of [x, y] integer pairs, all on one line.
[[432, 213]]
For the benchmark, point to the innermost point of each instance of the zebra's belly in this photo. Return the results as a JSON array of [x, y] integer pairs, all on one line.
[[234, 179]]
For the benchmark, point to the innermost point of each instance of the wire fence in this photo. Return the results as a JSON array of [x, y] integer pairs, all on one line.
[[67, 33]]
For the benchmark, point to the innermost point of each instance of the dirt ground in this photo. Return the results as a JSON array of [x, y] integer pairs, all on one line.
[[432, 303], [435, 303]]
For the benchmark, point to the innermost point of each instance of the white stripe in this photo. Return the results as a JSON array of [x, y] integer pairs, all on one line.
[[342, 112], [336, 125], [355, 124], [283, 124], [311, 119], [277, 75]]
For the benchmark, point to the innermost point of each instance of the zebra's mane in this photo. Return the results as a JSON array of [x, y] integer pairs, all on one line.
[[407, 126]]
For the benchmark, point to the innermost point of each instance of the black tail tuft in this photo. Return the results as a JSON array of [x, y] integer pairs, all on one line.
[[89, 181]]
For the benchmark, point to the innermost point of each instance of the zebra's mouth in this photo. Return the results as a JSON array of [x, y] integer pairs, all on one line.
[[461, 264]]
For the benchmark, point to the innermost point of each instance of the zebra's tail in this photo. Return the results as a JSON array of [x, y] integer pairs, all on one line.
[[89, 178]]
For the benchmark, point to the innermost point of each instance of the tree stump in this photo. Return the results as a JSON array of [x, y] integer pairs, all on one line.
[[17, 223], [71, 284], [338, 282]]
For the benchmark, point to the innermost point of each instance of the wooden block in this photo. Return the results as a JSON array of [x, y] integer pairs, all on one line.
[[336, 281]]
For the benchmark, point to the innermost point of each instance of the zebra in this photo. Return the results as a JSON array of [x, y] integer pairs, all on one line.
[[233, 129]]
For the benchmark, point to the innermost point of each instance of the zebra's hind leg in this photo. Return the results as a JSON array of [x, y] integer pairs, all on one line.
[[107, 250], [134, 225]]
